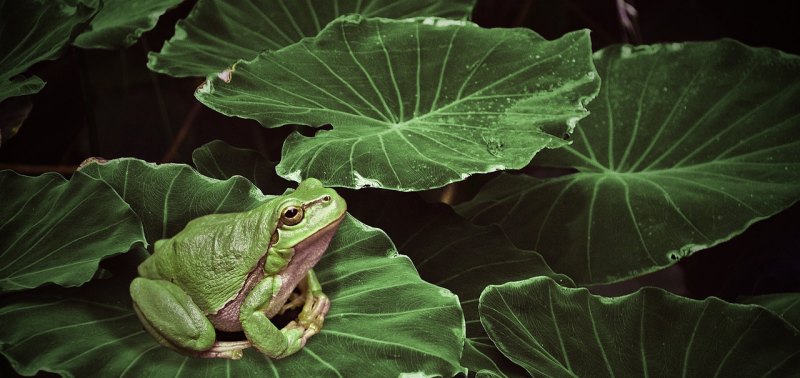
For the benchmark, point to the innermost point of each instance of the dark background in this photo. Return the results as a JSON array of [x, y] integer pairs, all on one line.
[[107, 103]]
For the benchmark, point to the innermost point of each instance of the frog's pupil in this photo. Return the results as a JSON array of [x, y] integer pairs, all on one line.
[[290, 213]]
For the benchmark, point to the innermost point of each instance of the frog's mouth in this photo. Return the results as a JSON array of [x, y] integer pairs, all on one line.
[[306, 254]]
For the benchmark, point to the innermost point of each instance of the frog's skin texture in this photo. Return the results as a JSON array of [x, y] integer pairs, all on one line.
[[232, 272]]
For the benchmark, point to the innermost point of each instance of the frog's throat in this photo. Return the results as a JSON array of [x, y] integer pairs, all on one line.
[[306, 254]]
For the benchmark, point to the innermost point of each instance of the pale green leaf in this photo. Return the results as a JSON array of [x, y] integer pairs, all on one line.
[[54, 230], [217, 33], [414, 104], [555, 331], [687, 145]]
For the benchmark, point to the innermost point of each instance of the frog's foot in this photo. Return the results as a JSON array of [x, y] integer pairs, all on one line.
[[231, 350], [313, 314], [295, 300]]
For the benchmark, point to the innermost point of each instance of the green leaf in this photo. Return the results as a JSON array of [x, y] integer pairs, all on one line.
[[381, 312], [33, 31], [219, 160], [167, 196], [217, 33], [414, 104], [687, 145], [482, 358], [120, 23], [57, 231], [555, 331], [450, 252], [785, 305]]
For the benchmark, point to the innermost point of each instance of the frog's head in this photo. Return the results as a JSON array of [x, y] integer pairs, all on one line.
[[310, 212]]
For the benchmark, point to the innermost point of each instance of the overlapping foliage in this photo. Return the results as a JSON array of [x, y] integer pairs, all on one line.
[[684, 146]]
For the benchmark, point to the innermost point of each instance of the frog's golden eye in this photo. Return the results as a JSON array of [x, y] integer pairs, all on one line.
[[292, 215]]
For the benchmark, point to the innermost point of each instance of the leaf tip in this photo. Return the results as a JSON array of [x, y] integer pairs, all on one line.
[[295, 176]]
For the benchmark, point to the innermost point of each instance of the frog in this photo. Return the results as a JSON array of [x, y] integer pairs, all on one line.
[[233, 272]]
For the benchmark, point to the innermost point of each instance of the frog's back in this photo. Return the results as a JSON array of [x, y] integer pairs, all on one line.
[[211, 257]]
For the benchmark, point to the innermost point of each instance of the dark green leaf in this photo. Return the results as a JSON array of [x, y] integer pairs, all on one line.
[[482, 358], [785, 305], [120, 23], [414, 104], [13, 113], [687, 145], [167, 196], [555, 331], [381, 313], [450, 252], [54, 230], [33, 31], [221, 161], [218, 33]]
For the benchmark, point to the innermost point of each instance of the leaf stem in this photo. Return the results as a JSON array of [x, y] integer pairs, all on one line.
[[88, 103], [162, 106], [182, 133]]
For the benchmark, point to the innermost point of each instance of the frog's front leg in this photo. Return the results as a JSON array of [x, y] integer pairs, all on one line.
[[260, 331], [315, 308], [170, 315]]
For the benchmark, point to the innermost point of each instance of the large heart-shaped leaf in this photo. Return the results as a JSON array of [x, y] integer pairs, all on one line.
[[120, 23], [168, 196], [687, 145], [555, 331], [381, 312], [218, 33], [414, 104], [33, 31], [54, 230]]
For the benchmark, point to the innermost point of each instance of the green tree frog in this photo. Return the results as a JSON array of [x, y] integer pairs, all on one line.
[[233, 272]]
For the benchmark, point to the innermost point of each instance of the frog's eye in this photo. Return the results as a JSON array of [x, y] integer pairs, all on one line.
[[292, 215]]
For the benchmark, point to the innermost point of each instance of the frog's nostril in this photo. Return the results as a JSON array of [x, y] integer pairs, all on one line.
[[326, 199]]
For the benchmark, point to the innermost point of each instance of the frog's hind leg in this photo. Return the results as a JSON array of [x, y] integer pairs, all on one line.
[[170, 315]]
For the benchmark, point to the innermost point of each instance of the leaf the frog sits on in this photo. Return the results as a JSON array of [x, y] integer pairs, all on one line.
[[233, 272]]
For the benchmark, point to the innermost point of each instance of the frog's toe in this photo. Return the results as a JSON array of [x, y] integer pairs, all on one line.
[[312, 319]]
